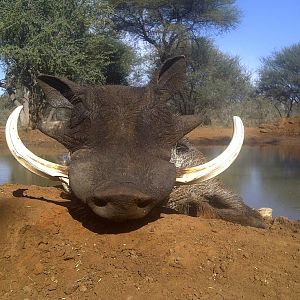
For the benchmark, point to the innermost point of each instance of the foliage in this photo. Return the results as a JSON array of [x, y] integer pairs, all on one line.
[[169, 28], [214, 80], [5, 108], [254, 111], [280, 78], [71, 38], [169, 25]]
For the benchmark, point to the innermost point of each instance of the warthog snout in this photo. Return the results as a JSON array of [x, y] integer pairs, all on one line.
[[119, 203]]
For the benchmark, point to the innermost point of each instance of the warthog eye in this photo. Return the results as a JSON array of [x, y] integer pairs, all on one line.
[[144, 203], [100, 202]]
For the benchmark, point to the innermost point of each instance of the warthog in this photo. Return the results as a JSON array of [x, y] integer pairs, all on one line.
[[128, 153]]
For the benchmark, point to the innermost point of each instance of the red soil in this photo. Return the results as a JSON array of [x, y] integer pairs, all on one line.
[[51, 249]]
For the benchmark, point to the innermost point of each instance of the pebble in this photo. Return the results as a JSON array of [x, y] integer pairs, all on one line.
[[38, 268], [27, 289], [68, 255], [52, 286], [70, 289], [82, 288]]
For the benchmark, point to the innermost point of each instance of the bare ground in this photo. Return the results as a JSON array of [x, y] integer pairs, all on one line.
[[54, 249]]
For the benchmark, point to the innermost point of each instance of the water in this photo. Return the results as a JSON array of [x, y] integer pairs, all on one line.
[[265, 176], [13, 172]]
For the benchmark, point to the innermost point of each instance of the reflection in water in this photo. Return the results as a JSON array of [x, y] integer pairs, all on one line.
[[5, 170], [13, 172], [265, 176]]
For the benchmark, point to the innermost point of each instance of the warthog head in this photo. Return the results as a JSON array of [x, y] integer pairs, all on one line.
[[120, 140]]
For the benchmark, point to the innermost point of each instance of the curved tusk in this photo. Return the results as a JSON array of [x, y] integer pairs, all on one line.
[[217, 165], [26, 158]]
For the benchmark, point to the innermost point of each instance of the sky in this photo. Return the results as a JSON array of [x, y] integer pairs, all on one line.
[[266, 26]]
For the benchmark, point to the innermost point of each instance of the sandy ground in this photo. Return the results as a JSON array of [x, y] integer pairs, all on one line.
[[52, 248]]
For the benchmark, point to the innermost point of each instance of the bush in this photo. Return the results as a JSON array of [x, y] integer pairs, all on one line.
[[253, 112], [6, 107]]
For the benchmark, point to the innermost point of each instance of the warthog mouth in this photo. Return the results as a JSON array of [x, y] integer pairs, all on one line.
[[58, 172]]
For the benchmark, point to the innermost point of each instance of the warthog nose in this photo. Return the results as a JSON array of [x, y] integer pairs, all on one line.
[[121, 202], [122, 196], [124, 200]]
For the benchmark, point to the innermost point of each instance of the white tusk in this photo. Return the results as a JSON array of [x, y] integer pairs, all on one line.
[[217, 165], [26, 158]]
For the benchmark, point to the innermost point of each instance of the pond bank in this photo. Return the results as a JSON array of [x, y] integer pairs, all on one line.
[[253, 136], [199, 136]]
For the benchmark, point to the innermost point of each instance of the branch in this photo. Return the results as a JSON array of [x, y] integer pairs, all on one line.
[[280, 115]]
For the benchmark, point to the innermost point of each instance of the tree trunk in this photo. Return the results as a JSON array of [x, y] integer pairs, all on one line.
[[279, 112], [289, 108], [24, 117], [22, 99]]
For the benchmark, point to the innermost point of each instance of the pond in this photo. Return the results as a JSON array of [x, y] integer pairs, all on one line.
[[265, 176]]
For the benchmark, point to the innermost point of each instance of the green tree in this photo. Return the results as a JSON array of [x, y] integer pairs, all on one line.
[[214, 80], [279, 78], [65, 38], [5, 108], [178, 27], [168, 25]]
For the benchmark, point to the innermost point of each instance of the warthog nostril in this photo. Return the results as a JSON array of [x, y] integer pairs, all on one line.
[[142, 203], [100, 202]]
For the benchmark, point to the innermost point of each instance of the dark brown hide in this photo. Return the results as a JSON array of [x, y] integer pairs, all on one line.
[[208, 199], [121, 139]]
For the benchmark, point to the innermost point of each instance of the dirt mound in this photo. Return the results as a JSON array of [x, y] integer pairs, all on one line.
[[53, 249], [285, 126]]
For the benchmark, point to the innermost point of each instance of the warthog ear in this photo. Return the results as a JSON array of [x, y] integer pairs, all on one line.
[[172, 74], [59, 90], [187, 123], [64, 93]]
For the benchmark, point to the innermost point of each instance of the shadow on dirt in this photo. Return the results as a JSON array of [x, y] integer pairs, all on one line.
[[83, 214], [20, 193]]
